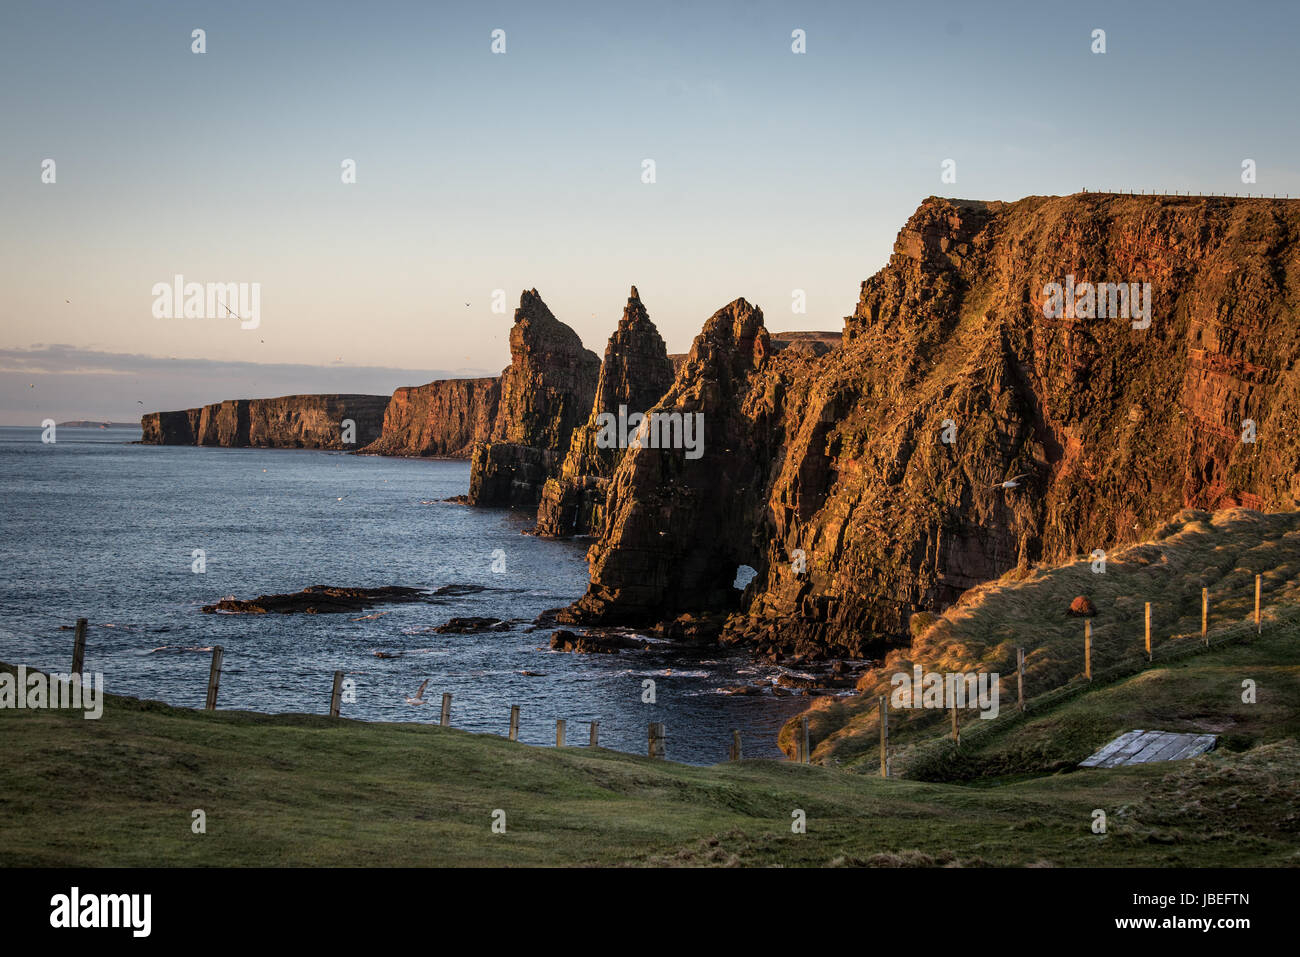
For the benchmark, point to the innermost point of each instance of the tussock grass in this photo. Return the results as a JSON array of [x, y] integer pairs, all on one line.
[[1222, 552]]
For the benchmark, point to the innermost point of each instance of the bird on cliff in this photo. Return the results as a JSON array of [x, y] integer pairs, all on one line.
[[419, 695], [1011, 482]]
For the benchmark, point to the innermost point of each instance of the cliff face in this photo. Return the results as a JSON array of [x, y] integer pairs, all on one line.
[[290, 422], [677, 528], [635, 375], [546, 392], [866, 483], [443, 418], [169, 428]]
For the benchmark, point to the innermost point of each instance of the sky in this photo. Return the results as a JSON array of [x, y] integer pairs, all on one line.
[[476, 171]]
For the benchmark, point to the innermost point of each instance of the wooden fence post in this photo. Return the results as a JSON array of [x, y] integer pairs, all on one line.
[[514, 722], [1205, 615], [336, 696], [446, 709], [214, 678], [884, 736], [956, 734], [1020, 678], [1148, 616], [735, 744], [1087, 649], [559, 732], [804, 754], [79, 649], [1259, 627], [657, 747], [595, 735]]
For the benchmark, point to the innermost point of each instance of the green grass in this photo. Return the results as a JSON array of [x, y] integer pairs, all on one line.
[[307, 790], [1187, 688]]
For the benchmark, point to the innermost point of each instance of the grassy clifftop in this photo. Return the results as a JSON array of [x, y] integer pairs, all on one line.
[[1070, 717], [308, 790]]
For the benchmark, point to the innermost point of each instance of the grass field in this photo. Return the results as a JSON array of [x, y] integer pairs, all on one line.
[[310, 790]]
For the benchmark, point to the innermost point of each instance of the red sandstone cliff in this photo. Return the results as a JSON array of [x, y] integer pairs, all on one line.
[[443, 418], [546, 392], [830, 474], [291, 421]]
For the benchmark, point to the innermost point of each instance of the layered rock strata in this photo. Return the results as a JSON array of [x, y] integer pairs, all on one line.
[[291, 421], [546, 392], [1022, 382], [634, 376]]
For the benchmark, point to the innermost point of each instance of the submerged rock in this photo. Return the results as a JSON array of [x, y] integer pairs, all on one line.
[[594, 643], [319, 599], [470, 625]]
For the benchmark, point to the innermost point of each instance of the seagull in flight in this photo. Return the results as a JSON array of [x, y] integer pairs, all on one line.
[[1011, 482], [419, 695]]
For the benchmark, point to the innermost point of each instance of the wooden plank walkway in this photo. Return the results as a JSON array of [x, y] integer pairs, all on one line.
[[1143, 747]]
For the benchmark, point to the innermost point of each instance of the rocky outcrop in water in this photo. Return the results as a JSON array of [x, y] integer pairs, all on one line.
[[677, 528], [318, 600], [959, 431], [546, 392], [287, 422], [444, 418], [634, 376]]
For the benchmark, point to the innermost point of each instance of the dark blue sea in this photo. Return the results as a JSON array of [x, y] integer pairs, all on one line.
[[100, 528]]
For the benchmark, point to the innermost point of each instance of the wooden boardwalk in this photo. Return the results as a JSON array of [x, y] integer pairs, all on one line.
[[1143, 747]]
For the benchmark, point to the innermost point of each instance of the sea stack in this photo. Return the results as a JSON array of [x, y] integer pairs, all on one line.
[[546, 392], [678, 527], [635, 375]]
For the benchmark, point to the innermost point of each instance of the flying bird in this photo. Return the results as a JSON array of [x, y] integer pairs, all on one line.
[[1011, 482], [419, 695]]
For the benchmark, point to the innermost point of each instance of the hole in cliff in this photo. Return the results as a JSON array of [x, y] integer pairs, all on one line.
[[744, 575]]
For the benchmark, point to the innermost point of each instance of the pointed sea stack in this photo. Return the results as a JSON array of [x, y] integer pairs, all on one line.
[[677, 527], [546, 392], [635, 375]]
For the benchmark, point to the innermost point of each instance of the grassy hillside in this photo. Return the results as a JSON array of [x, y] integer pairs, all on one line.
[[308, 790], [1185, 688]]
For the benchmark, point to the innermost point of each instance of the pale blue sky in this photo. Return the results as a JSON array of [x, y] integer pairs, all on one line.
[[476, 171]]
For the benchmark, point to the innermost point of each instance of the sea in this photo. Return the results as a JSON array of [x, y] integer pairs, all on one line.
[[137, 538]]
